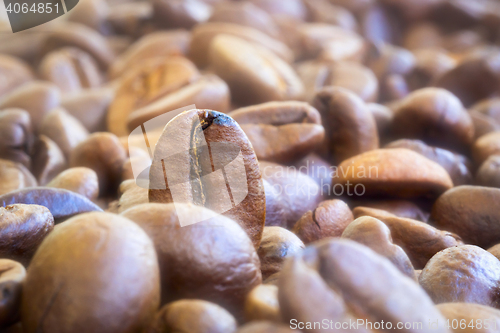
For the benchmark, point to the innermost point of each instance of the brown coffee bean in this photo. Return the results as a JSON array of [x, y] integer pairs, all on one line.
[[380, 25], [13, 74], [350, 128], [456, 165], [478, 318], [462, 274], [435, 116], [130, 19], [79, 180], [489, 107], [293, 9], [276, 245], [16, 138], [291, 194], [14, 176], [401, 208], [429, 65], [316, 168], [23, 227], [70, 69], [209, 141], [376, 235], [281, 131], [180, 13], [262, 304], [192, 316], [489, 172], [483, 124], [259, 77], [422, 35], [486, 146], [37, 97], [322, 11], [131, 195], [342, 281], [96, 272], [264, 327], [91, 13], [419, 240], [48, 160], [470, 212], [224, 274], [329, 219], [103, 153], [11, 280], [383, 117]]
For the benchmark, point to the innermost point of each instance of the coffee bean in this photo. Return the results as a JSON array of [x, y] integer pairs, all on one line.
[[180, 13], [462, 274], [329, 219], [469, 211], [486, 146], [192, 316], [401, 208], [14, 176], [262, 304], [131, 195], [325, 12], [293, 8], [48, 160], [471, 313], [316, 168], [483, 124], [13, 73], [429, 65], [281, 131], [376, 235], [264, 327], [489, 107], [131, 19], [17, 136], [224, 274], [423, 35], [11, 280], [79, 180], [276, 245], [84, 259], [489, 172]]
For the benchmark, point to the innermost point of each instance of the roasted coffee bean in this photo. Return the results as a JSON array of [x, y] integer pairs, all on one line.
[[208, 141], [264, 327], [48, 160], [486, 146], [16, 138], [343, 281], [419, 240], [131, 195], [23, 227], [79, 180], [224, 274], [276, 245], [259, 77], [91, 13], [281, 131], [488, 173], [180, 13], [14, 176], [103, 153], [383, 117], [401, 208], [325, 12], [131, 19], [316, 168], [455, 164], [429, 64], [61, 203], [12, 275], [262, 304], [350, 128], [13, 73], [470, 212], [486, 318], [329, 219], [462, 274], [376, 235], [435, 116], [293, 8], [192, 316], [489, 107], [84, 259], [483, 124]]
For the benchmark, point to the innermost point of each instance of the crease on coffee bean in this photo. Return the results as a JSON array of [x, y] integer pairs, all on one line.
[[48, 307], [314, 219]]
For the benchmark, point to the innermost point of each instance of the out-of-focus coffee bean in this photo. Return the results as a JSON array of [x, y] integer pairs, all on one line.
[[89, 107], [194, 131], [350, 128], [103, 153], [294, 194], [192, 316], [456, 165], [281, 131], [325, 12], [225, 274], [429, 64], [329, 219], [82, 37], [485, 146], [422, 35], [64, 129], [92, 13], [462, 274], [262, 304], [470, 314], [276, 245], [79, 180], [294, 8], [379, 25], [83, 259], [146, 83], [419, 240], [383, 117], [470, 212], [387, 59], [13, 74], [180, 13], [264, 327], [139, 160], [38, 98], [16, 136], [483, 124], [11, 279], [495, 250], [316, 168], [489, 107], [25, 45], [376, 235], [341, 280], [130, 18], [23, 228], [401, 208], [204, 34], [435, 116], [272, 280], [413, 10], [488, 173], [355, 6], [48, 160], [131, 195], [70, 69], [14, 176], [157, 44]]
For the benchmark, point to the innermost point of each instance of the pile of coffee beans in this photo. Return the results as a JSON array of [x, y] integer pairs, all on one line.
[[252, 166]]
